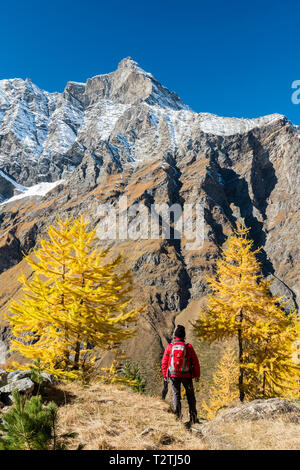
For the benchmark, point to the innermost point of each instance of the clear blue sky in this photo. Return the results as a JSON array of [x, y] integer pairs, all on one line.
[[232, 58]]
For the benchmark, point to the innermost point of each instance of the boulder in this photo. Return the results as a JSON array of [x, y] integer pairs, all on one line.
[[24, 385], [269, 409], [18, 375], [260, 409], [48, 379]]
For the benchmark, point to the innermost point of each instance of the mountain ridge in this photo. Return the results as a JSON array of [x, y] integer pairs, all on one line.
[[120, 145], [46, 132]]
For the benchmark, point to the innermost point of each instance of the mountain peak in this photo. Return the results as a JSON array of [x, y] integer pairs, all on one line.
[[130, 64], [130, 84], [127, 62]]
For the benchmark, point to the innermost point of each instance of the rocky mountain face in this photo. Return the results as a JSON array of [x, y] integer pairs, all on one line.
[[124, 134]]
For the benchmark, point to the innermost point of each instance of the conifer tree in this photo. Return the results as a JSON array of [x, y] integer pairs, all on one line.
[[224, 389], [28, 425], [74, 300], [241, 306], [134, 376]]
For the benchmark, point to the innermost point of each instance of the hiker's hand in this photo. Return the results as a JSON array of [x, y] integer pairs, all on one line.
[[196, 379]]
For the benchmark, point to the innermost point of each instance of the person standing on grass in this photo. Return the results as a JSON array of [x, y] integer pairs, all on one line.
[[180, 363]]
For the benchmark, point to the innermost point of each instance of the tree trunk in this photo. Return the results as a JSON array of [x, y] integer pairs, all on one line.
[[67, 352], [78, 342], [264, 385], [77, 355], [241, 376]]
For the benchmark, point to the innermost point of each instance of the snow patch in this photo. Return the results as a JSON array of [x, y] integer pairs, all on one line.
[[40, 190], [110, 113], [211, 124]]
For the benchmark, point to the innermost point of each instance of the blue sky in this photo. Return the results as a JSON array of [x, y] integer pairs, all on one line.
[[234, 58]]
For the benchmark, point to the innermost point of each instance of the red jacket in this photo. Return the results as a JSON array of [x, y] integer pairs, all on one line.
[[192, 359]]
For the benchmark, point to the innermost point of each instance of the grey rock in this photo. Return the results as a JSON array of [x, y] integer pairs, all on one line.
[[4, 344], [270, 409], [16, 375], [48, 379], [147, 431], [260, 409], [24, 385]]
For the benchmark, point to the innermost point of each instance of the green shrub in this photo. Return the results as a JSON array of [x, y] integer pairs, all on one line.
[[29, 425], [132, 372], [36, 373]]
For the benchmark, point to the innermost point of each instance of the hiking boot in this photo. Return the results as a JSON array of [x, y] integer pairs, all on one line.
[[193, 418]]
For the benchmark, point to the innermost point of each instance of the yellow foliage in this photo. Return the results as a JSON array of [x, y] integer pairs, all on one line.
[[224, 389], [73, 301], [240, 305], [110, 375]]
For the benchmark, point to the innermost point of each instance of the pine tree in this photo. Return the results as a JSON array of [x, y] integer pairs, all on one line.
[[30, 426], [224, 389], [36, 374], [134, 376], [74, 301], [241, 306]]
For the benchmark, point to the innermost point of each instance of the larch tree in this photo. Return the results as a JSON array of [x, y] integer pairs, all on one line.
[[241, 306], [74, 300], [224, 389]]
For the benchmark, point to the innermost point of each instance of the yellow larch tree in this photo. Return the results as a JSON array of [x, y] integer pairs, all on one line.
[[270, 368], [241, 306], [73, 302], [224, 389]]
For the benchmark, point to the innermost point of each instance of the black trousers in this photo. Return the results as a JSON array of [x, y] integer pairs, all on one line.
[[190, 395]]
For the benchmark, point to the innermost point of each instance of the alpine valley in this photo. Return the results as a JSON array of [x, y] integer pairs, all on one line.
[[125, 134]]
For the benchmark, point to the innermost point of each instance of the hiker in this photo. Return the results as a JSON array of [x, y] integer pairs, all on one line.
[[180, 364]]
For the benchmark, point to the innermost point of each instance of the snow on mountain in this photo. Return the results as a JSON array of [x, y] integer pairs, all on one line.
[[40, 190], [44, 136]]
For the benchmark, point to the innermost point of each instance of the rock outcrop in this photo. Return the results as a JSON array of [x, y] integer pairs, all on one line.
[[264, 411], [21, 381], [272, 408]]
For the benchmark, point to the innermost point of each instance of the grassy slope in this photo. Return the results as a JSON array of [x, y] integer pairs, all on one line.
[[114, 417]]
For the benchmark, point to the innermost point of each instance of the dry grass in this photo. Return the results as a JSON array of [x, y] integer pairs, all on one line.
[[257, 435], [114, 417]]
